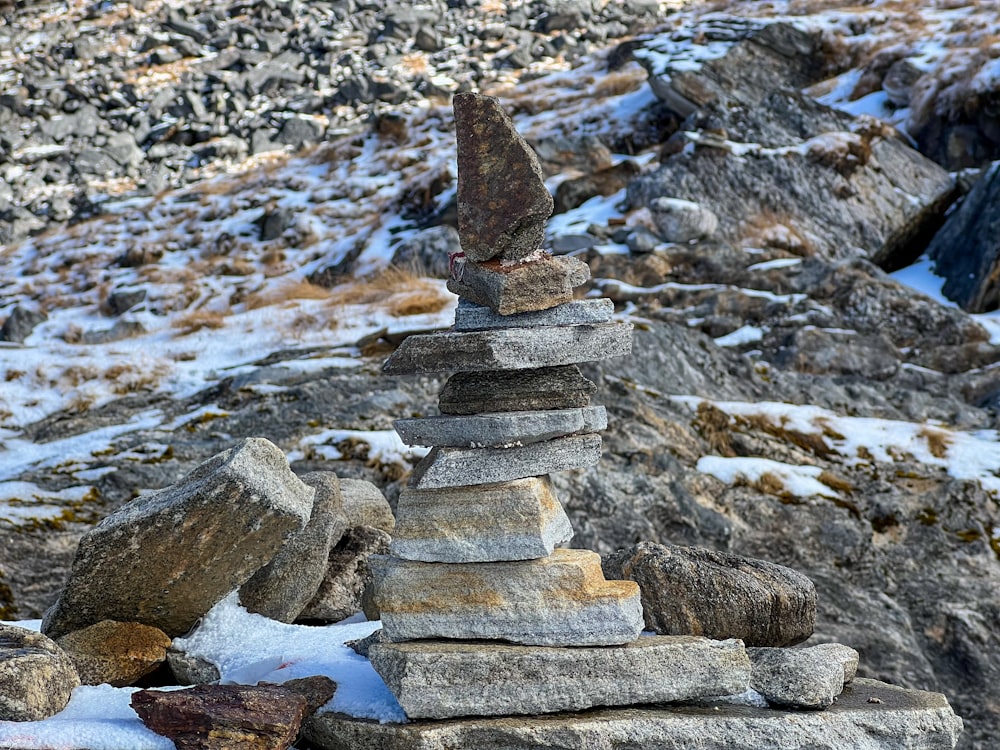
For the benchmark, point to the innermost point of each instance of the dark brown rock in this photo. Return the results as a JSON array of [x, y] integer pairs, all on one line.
[[539, 284], [237, 717], [116, 653], [538, 389], [502, 199], [698, 591]]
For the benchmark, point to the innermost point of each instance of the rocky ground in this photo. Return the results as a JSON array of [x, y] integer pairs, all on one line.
[[198, 201]]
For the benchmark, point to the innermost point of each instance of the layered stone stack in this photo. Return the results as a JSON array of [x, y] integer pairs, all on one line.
[[474, 556]]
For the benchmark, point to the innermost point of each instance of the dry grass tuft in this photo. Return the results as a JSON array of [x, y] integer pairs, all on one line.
[[810, 441], [938, 441], [714, 426], [284, 292], [199, 320], [400, 291]]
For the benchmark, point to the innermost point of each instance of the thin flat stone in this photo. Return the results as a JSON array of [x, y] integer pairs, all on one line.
[[502, 428], [560, 600], [901, 718], [509, 348], [546, 388], [472, 317], [456, 467], [442, 680], [503, 203], [537, 284], [519, 520], [810, 677]]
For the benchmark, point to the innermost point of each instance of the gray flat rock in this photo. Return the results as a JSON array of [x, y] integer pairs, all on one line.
[[802, 677], [560, 600], [900, 719], [536, 284], [509, 348], [540, 389], [472, 317], [456, 467], [501, 428], [519, 520], [441, 680]]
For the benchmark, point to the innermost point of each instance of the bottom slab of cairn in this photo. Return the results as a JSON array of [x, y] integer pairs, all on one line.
[[868, 715]]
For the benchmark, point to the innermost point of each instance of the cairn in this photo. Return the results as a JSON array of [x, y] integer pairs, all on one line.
[[475, 585]]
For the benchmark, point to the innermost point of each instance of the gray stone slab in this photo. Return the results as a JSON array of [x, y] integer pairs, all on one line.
[[509, 348], [519, 520], [810, 677], [537, 284], [540, 389], [472, 317], [560, 600], [456, 467], [442, 680], [900, 719], [501, 429]]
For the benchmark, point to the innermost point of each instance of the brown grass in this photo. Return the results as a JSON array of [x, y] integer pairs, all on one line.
[[284, 292], [938, 441], [198, 320], [810, 441], [714, 426], [400, 291]]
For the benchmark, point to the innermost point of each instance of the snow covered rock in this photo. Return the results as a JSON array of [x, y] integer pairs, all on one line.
[[696, 591], [165, 558], [36, 677]]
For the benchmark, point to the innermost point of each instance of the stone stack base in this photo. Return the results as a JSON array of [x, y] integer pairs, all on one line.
[[868, 715]]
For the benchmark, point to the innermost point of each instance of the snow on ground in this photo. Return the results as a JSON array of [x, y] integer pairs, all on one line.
[[247, 648], [800, 481]]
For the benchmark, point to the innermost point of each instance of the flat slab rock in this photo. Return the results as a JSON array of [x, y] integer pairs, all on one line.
[[809, 677], [455, 467], [472, 317], [899, 719], [509, 348], [560, 600], [519, 520], [545, 388], [500, 428], [539, 283], [440, 679]]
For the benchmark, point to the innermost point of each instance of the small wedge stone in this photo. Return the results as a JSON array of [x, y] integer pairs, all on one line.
[[802, 677], [495, 220], [442, 680], [456, 467], [536, 284], [545, 388], [502, 428], [560, 600], [509, 348], [519, 520], [472, 317]]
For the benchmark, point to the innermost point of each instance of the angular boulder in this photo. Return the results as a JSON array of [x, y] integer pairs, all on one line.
[[560, 600], [365, 505], [503, 203], [697, 591], [282, 588], [115, 653], [519, 520], [36, 677], [168, 557], [802, 677], [515, 390], [538, 283], [442, 680]]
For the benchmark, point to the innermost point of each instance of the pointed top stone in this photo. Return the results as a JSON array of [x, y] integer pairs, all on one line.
[[503, 203]]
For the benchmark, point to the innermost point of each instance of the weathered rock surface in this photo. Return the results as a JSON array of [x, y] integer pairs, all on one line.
[[518, 520], [454, 467], [560, 600], [282, 588], [229, 717], [191, 670], [810, 677], [502, 199], [516, 390], [535, 284], [900, 718], [682, 221], [36, 677], [116, 653], [441, 680], [365, 505], [966, 251], [698, 591], [501, 428], [347, 576], [472, 317], [166, 558], [509, 348], [19, 324]]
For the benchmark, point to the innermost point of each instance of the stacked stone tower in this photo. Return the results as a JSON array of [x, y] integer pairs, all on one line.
[[474, 564]]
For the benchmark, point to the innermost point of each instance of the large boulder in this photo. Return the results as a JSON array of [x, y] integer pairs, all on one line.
[[167, 557], [116, 653], [36, 677]]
